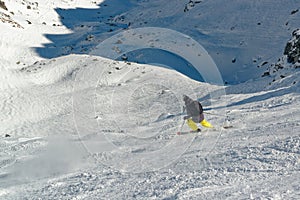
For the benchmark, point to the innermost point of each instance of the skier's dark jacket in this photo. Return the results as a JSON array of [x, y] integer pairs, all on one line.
[[194, 109]]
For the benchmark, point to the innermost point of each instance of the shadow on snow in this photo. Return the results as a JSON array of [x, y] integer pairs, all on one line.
[[91, 26]]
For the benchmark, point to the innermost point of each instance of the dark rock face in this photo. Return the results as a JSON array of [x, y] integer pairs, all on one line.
[[287, 63], [292, 48], [2, 5], [191, 4]]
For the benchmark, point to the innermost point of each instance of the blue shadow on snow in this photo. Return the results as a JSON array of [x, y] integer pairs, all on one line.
[[91, 26]]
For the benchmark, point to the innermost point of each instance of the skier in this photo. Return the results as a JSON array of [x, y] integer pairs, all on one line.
[[194, 114]]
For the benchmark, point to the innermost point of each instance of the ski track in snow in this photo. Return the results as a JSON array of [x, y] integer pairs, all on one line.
[[58, 116], [243, 161]]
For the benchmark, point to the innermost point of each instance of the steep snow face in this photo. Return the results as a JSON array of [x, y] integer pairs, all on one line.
[[238, 35]]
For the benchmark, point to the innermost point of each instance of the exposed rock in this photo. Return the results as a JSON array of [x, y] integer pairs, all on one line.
[[191, 4], [294, 11], [4, 18], [290, 60], [266, 74], [292, 48], [2, 5]]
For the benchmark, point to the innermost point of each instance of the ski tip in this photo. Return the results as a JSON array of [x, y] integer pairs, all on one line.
[[227, 127]]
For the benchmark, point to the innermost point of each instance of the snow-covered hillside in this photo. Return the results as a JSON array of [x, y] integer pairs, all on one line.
[[238, 35], [84, 132], [80, 126]]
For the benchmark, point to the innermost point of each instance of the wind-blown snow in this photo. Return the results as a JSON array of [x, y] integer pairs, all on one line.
[[87, 127]]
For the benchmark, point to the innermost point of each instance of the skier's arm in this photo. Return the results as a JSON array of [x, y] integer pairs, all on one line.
[[200, 108]]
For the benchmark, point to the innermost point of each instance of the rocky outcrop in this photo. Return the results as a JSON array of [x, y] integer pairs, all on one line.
[[292, 49], [2, 5], [191, 4], [290, 61]]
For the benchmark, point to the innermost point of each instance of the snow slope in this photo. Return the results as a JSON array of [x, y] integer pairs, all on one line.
[[238, 35], [116, 142], [87, 127]]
